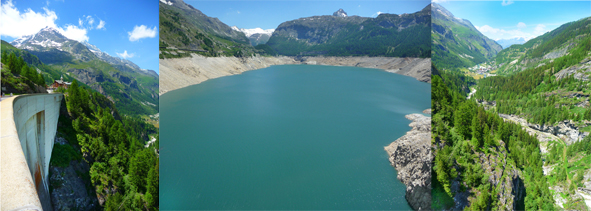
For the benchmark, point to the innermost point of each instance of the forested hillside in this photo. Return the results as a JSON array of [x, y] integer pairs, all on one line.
[[457, 43], [123, 172], [542, 50], [482, 162]]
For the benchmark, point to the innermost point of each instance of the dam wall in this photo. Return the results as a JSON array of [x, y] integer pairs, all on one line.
[[28, 125]]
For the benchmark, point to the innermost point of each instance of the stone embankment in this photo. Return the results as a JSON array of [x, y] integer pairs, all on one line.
[[182, 72], [411, 156]]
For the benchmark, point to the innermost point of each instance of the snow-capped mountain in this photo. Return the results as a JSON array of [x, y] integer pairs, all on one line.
[[51, 40], [340, 13], [46, 38], [256, 35], [508, 42]]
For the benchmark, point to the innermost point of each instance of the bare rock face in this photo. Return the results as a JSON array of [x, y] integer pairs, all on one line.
[[411, 156]]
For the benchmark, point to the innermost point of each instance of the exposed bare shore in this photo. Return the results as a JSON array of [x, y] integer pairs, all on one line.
[[183, 72]]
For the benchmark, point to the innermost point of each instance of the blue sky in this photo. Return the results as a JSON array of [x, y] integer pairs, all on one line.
[[508, 19], [269, 14], [126, 29]]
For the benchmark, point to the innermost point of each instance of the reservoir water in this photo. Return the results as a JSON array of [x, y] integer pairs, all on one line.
[[287, 137]]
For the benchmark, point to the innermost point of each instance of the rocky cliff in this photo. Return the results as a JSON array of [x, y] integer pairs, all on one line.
[[182, 72], [411, 156]]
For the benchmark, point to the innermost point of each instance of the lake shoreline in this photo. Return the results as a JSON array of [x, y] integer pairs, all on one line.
[[411, 156], [182, 72]]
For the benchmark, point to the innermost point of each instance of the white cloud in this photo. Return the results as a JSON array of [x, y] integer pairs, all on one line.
[[101, 25], [140, 32], [74, 32], [13, 20], [540, 29], [496, 33], [125, 55], [521, 25], [507, 2], [90, 20], [80, 22], [439, 1]]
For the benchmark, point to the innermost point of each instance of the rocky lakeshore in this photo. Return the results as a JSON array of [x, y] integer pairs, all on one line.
[[182, 72], [411, 156]]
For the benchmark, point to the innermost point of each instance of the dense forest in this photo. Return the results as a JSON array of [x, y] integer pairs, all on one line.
[[123, 170], [464, 136], [18, 74]]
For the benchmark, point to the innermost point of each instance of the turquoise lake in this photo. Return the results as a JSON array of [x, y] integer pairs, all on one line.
[[287, 137]]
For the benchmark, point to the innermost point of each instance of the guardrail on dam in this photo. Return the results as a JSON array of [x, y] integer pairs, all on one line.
[[28, 125]]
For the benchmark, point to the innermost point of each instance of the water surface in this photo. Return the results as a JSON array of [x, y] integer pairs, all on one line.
[[286, 137]]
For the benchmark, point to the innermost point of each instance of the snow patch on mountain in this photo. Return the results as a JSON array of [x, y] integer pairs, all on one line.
[[250, 32], [166, 2]]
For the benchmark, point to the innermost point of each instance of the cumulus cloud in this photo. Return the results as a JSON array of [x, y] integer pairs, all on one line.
[[74, 32], [439, 1], [140, 32], [376, 14], [495, 32], [13, 20], [101, 25], [90, 20], [125, 55], [521, 25], [507, 2]]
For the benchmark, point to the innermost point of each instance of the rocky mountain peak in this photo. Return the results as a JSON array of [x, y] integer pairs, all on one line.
[[340, 13], [46, 37]]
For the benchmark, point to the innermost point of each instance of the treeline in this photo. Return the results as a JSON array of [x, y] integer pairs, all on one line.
[[122, 170], [462, 131], [533, 92]]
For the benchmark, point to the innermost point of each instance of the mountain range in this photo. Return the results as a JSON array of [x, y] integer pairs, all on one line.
[[505, 43], [257, 35], [405, 35], [457, 43], [186, 30], [133, 90]]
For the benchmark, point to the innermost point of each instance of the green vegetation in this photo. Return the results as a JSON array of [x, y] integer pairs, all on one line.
[[18, 76], [537, 95], [464, 132], [186, 31], [378, 36], [457, 44], [122, 170], [531, 54]]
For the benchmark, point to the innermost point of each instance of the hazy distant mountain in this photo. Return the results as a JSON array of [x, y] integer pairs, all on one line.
[[257, 35], [134, 90], [505, 43], [405, 35], [457, 43]]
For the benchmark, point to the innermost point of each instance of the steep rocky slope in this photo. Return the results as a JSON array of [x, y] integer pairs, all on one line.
[[411, 156]]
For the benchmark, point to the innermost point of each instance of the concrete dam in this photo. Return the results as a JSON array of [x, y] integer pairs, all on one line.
[[28, 125]]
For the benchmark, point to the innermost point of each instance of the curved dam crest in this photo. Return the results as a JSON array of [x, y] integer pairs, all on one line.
[[287, 137], [28, 127]]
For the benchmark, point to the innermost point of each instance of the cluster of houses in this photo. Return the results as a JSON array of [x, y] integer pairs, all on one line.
[[483, 69]]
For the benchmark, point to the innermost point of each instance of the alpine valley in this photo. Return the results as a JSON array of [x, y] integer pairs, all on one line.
[[511, 127]]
